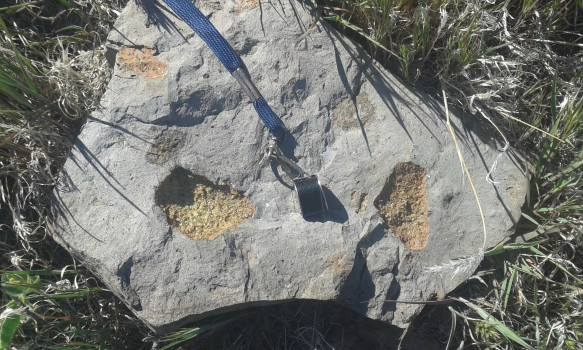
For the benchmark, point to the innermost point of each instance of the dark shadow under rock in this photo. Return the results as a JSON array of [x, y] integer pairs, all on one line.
[[301, 324]]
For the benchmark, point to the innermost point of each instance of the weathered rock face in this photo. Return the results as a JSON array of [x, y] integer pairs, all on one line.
[[175, 154]]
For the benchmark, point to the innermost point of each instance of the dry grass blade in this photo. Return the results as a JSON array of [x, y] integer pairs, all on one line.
[[463, 164]]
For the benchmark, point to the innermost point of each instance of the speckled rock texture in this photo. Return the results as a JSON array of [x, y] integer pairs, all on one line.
[[172, 115]]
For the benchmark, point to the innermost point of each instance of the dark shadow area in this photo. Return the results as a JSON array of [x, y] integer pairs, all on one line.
[[394, 291], [177, 188], [430, 330], [198, 107], [288, 144], [298, 324], [360, 293], [124, 274], [362, 288], [489, 135]]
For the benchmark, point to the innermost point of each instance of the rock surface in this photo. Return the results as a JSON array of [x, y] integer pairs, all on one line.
[[173, 121]]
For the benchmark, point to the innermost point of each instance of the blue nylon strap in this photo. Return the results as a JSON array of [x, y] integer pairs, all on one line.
[[225, 53], [207, 31], [269, 118]]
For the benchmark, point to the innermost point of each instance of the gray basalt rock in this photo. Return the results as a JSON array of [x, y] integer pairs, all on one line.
[[403, 222]]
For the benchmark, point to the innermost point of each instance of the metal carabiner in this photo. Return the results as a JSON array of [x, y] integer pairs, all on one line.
[[311, 197]]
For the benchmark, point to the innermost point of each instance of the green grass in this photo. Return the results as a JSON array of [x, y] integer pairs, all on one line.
[[517, 65]]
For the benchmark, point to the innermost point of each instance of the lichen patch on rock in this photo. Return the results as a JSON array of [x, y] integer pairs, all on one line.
[[402, 204], [164, 146], [200, 209], [141, 62], [352, 114]]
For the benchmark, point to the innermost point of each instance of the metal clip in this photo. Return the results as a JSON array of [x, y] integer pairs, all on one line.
[[291, 169], [245, 81], [310, 194]]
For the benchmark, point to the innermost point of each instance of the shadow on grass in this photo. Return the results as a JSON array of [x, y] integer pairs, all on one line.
[[301, 324], [310, 324]]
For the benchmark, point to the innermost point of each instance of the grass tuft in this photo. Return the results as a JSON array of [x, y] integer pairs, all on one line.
[[52, 72]]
